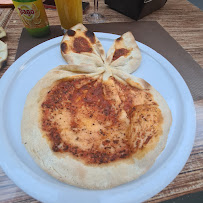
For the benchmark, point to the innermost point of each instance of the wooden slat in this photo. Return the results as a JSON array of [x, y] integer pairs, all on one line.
[[4, 16]]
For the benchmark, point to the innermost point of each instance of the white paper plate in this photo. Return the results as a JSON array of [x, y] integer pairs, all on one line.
[[19, 166]]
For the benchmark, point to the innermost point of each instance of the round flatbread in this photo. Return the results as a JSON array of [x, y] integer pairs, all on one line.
[[93, 133]]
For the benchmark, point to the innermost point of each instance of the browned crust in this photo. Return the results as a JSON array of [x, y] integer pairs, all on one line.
[[80, 44], [120, 52]]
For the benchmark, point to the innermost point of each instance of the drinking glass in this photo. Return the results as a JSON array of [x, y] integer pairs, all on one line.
[[70, 13], [95, 17]]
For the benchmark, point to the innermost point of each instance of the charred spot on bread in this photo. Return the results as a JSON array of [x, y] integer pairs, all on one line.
[[91, 36], [119, 39], [64, 47], [71, 33]]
